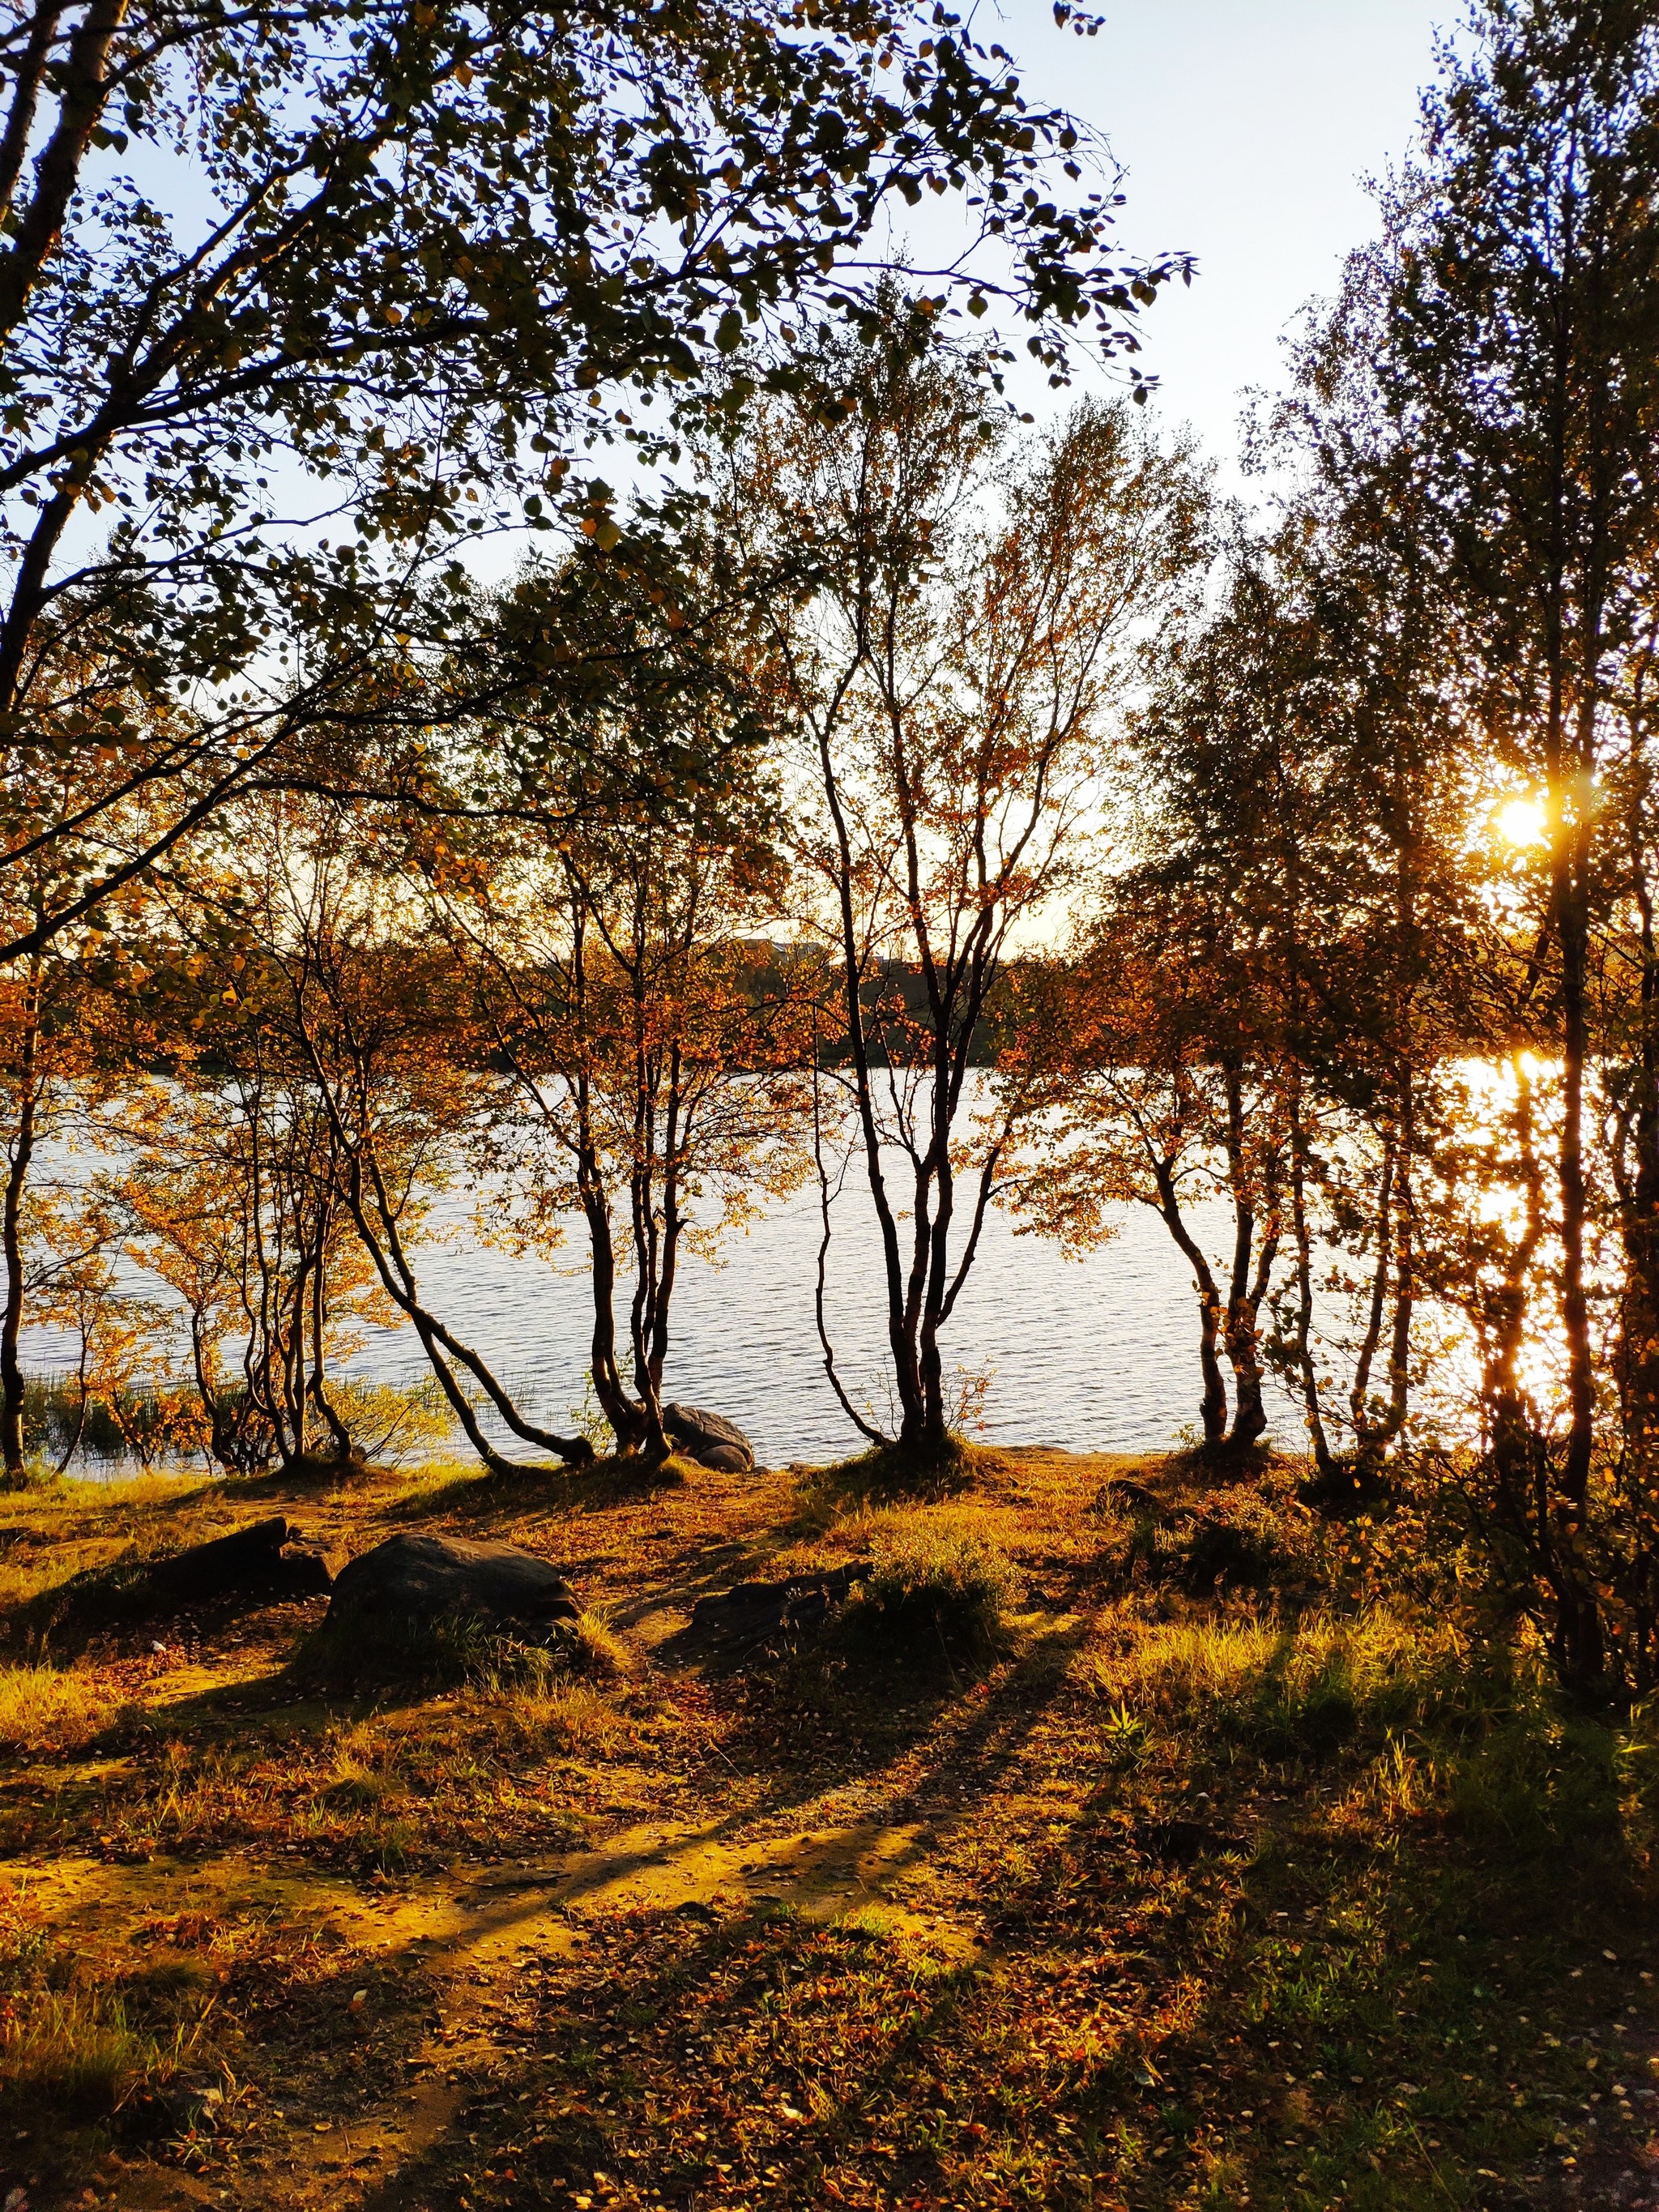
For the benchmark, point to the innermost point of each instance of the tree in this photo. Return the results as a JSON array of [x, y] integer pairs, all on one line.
[[354, 1007], [232, 1198], [652, 1056], [1514, 318], [62, 1045], [964, 625], [298, 302], [1145, 1088]]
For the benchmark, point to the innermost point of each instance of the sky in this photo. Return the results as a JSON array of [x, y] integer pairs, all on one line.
[[1247, 128]]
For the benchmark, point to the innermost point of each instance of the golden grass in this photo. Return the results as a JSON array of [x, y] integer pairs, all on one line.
[[1376, 1660], [597, 1651], [49, 1709]]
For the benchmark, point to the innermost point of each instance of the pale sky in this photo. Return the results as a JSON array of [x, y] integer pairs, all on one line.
[[1247, 128]]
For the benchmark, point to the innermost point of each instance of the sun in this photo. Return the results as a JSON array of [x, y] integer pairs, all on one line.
[[1522, 822]]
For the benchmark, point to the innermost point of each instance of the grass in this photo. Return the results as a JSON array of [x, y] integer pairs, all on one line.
[[939, 1592], [73, 2047], [42, 1709], [1303, 1683], [1067, 1870]]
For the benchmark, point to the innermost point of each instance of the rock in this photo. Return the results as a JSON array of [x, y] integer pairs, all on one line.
[[704, 1434], [251, 1559], [303, 1574], [755, 1614], [420, 1577], [727, 1459], [251, 1563]]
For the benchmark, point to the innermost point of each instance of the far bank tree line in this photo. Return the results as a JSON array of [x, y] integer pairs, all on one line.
[[1116, 849]]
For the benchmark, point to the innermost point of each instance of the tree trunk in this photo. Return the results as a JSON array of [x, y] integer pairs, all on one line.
[[1243, 1331], [21, 1154], [912, 1411], [1212, 1403], [643, 1328], [615, 1403], [1405, 1274], [821, 1286], [316, 1388], [1318, 1442], [1638, 1345], [1575, 1314], [1581, 1653], [82, 1385], [930, 1365], [363, 1187], [1359, 1396]]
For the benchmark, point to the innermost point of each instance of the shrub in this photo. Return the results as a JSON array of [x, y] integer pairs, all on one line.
[[456, 1650], [937, 1589], [884, 1474], [1238, 1539], [393, 1425], [147, 1422], [1536, 1779]]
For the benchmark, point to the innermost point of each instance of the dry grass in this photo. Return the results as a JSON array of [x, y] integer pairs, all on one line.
[[1089, 1894], [940, 1586], [597, 1651], [44, 1709], [70, 2050], [570, 1719]]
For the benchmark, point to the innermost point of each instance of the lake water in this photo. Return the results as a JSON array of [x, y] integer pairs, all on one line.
[[1098, 1354]]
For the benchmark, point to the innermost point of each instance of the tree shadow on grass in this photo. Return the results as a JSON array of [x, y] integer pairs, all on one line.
[[551, 1490], [582, 2090], [812, 1723], [655, 1979]]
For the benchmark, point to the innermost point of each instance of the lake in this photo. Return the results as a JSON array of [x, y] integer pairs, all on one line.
[[1097, 1355]]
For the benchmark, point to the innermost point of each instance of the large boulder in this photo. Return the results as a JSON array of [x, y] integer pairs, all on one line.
[[709, 1439], [416, 1578]]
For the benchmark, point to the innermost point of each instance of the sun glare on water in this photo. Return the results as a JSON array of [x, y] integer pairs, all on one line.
[[1523, 823]]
